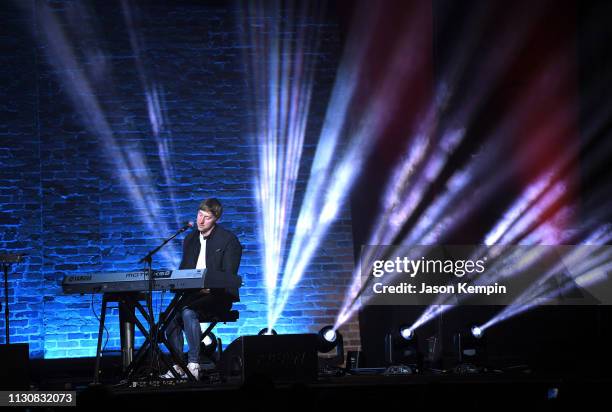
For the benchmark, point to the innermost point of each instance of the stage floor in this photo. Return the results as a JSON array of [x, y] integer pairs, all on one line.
[[482, 391]]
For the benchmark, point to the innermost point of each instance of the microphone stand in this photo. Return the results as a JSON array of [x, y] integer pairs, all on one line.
[[7, 260], [148, 259]]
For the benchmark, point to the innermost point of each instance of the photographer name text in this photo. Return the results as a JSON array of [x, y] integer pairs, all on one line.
[[425, 289]]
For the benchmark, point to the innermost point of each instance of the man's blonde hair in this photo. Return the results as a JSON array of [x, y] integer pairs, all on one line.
[[213, 206]]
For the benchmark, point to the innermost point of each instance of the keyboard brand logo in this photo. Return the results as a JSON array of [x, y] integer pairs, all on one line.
[[132, 275], [163, 274], [80, 278]]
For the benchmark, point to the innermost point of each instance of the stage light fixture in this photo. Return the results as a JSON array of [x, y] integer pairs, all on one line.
[[208, 345], [330, 335], [328, 339], [406, 332], [470, 351], [267, 332], [401, 349]]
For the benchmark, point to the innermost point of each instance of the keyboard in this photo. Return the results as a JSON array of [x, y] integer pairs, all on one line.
[[137, 281]]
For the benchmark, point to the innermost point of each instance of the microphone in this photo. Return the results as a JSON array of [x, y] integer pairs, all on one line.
[[149, 255], [186, 226]]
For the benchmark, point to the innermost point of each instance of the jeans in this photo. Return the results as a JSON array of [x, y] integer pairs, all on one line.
[[186, 319]]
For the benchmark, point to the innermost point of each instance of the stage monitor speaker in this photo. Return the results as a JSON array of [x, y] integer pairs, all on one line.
[[14, 368], [272, 358]]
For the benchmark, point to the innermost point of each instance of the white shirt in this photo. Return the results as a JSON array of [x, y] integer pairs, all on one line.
[[202, 257]]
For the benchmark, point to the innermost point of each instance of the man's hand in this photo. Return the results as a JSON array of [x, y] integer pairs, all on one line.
[[204, 291]]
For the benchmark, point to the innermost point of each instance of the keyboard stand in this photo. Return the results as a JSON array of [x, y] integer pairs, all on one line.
[[160, 331], [128, 303]]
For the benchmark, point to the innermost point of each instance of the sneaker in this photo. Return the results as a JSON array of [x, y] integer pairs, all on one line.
[[194, 368], [169, 375]]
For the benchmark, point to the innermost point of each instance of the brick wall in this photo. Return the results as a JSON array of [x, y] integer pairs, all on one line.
[[20, 178], [83, 182]]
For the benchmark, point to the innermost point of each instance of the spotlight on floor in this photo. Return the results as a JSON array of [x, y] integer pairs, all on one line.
[[406, 333], [208, 346], [402, 351], [477, 332], [470, 351], [267, 332], [329, 339]]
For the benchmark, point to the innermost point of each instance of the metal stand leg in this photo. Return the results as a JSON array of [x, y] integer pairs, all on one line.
[[151, 343], [126, 314], [7, 340], [96, 379]]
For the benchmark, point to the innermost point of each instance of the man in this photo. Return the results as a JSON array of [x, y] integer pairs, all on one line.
[[217, 250]]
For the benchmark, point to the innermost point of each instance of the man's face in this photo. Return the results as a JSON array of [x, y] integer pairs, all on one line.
[[206, 221]]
